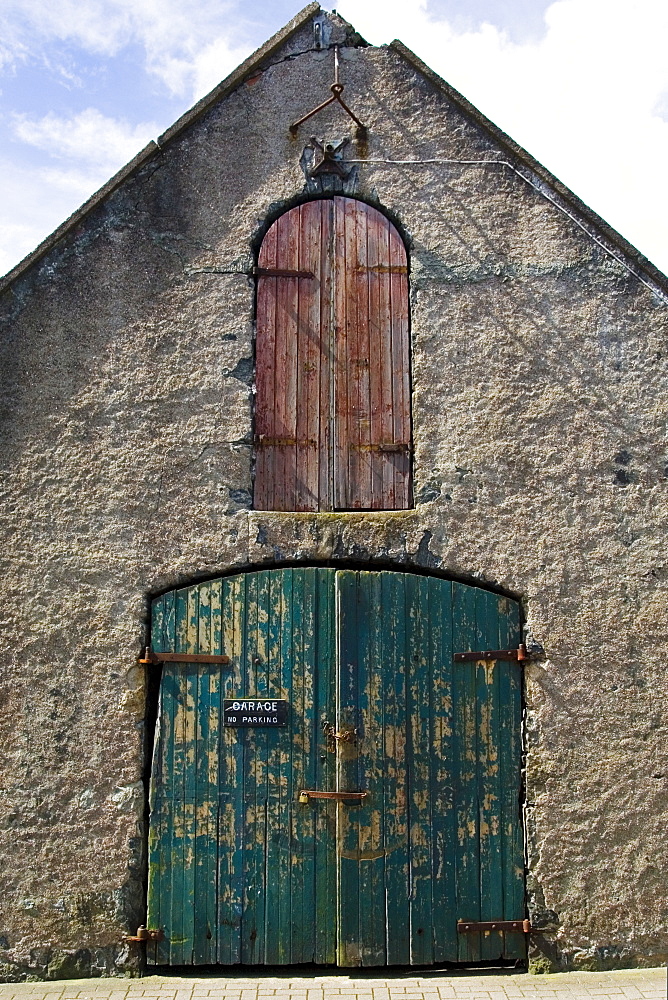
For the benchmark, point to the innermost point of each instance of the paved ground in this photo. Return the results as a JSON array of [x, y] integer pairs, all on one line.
[[635, 984]]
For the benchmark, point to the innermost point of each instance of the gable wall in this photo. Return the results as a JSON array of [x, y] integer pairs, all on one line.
[[540, 469]]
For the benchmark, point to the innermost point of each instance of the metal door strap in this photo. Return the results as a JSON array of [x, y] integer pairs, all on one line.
[[494, 654], [472, 926], [155, 658]]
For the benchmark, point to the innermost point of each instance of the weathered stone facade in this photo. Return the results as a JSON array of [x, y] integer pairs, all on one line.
[[541, 465]]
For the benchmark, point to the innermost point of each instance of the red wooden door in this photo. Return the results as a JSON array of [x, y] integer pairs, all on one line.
[[333, 363]]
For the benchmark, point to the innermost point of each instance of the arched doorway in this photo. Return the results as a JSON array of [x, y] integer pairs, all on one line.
[[359, 791], [333, 406]]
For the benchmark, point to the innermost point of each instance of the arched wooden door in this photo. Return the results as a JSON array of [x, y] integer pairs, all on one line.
[[332, 421], [248, 862]]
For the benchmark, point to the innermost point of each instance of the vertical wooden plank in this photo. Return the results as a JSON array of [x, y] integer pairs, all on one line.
[[350, 636], [443, 831], [231, 856], [178, 764], [206, 791], [272, 615], [399, 333], [396, 651], [301, 832], [466, 755], [297, 936], [190, 679], [374, 349], [254, 778], [325, 770], [345, 321], [282, 431], [358, 280], [382, 412], [418, 707], [287, 384], [510, 760], [309, 447], [369, 814], [491, 896], [278, 611], [329, 332]]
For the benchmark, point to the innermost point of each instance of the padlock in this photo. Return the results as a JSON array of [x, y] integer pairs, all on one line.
[[303, 797]]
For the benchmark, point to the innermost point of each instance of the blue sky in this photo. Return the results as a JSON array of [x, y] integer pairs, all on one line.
[[84, 84]]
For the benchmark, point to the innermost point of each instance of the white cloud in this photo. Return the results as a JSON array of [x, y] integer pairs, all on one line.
[[82, 152], [88, 136], [35, 200], [583, 98], [187, 47]]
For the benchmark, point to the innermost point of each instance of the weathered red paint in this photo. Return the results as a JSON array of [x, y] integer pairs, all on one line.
[[333, 362]]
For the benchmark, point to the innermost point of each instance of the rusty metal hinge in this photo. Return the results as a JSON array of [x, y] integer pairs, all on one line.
[[280, 272], [306, 794], [493, 654], [473, 926], [156, 658], [265, 441], [389, 446], [146, 934], [381, 269]]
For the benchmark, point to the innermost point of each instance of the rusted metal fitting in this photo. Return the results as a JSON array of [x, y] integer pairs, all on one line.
[[306, 794], [155, 659], [146, 934], [475, 926], [518, 654]]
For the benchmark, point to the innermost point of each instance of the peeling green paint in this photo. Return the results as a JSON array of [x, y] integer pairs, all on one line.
[[240, 870]]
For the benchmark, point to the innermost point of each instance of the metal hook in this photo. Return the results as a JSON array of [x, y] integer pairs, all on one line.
[[336, 89]]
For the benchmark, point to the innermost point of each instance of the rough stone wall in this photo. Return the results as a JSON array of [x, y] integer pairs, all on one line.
[[539, 413]]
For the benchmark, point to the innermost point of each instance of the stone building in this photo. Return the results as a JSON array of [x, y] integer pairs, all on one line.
[[331, 405]]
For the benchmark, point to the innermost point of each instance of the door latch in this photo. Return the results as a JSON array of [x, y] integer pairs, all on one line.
[[344, 736]]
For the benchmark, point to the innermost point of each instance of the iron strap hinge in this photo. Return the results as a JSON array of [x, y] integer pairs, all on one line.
[[473, 926], [280, 272], [308, 793], [155, 658], [493, 654]]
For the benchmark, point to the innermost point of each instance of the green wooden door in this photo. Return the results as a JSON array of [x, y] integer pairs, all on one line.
[[241, 870]]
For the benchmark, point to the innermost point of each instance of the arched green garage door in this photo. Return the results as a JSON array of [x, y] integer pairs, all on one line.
[[248, 863]]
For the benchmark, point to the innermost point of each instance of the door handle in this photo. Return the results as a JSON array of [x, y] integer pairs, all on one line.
[[306, 794]]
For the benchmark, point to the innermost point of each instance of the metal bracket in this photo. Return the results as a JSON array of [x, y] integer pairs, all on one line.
[[337, 90], [493, 654], [150, 657], [473, 926], [277, 272], [306, 794], [146, 934]]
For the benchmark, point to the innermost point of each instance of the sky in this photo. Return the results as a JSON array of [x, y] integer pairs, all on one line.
[[581, 84]]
